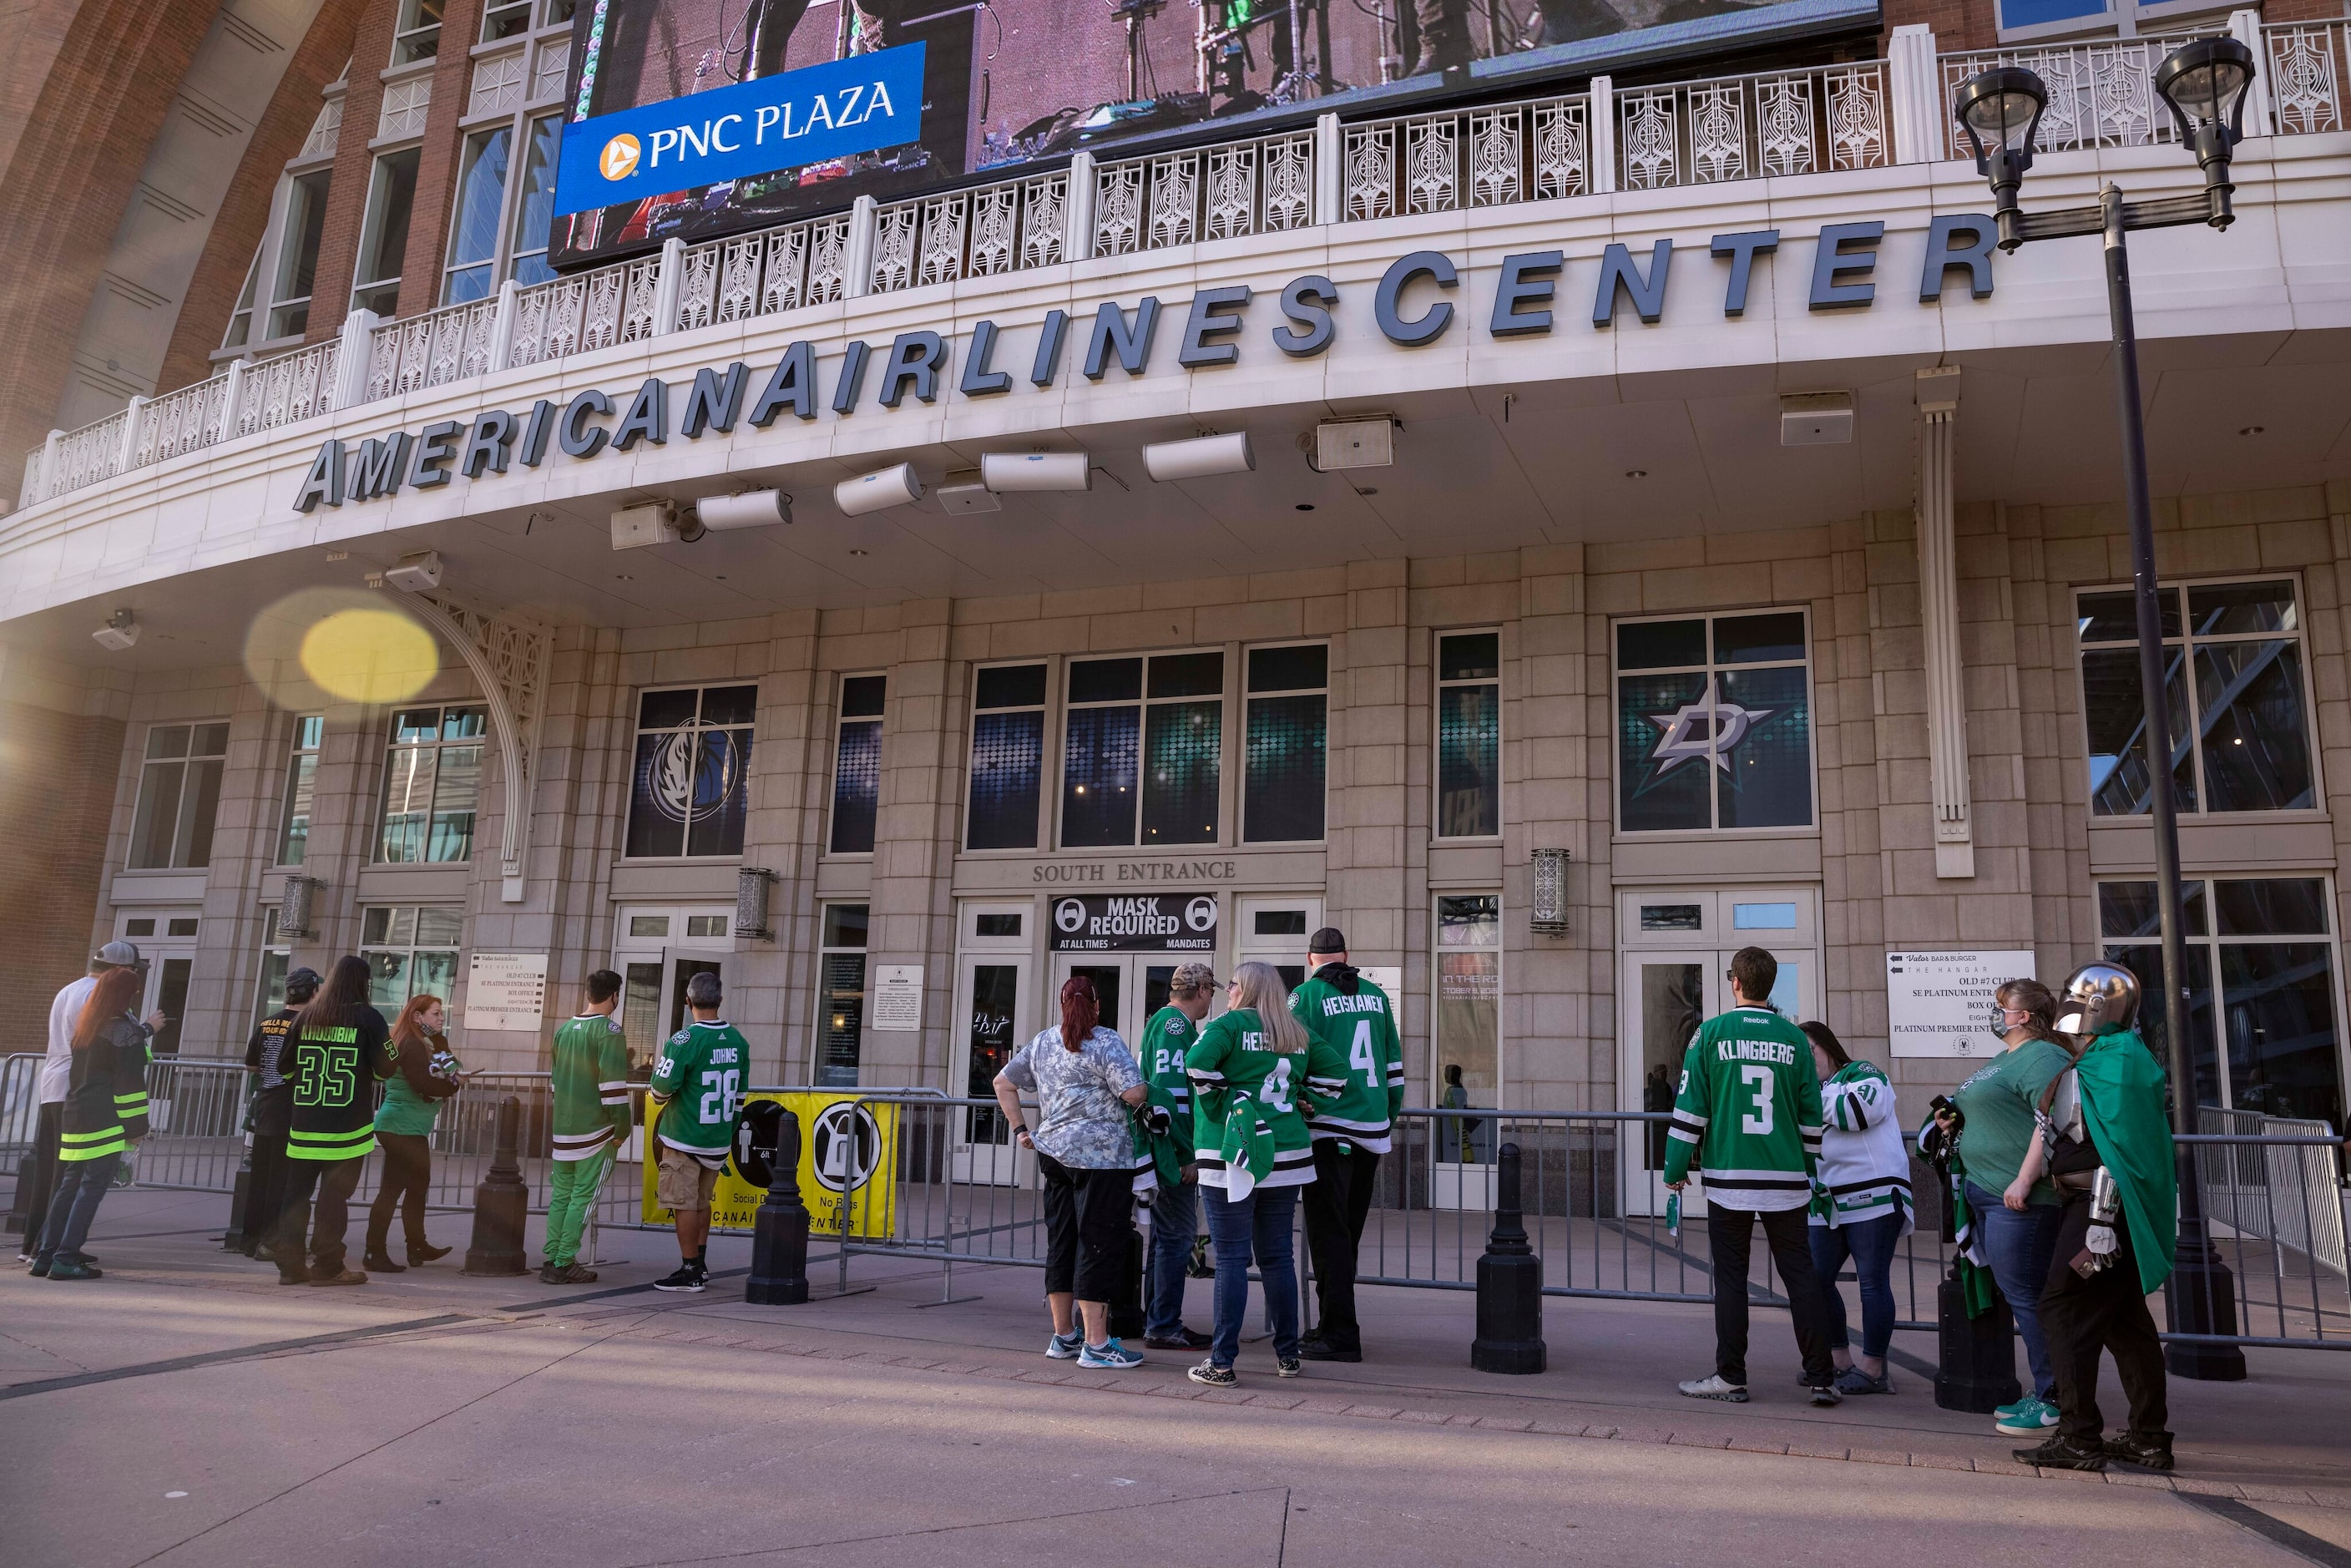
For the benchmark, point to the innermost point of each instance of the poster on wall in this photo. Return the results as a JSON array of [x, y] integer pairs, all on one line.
[[842, 1144], [702, 117], [898, 997], [1137, 923], [506, 992], [1940, 1002]]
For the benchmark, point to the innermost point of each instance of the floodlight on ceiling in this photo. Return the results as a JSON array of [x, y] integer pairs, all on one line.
[[1005, 473], [893, 486], [752, 509], [1200, 458]]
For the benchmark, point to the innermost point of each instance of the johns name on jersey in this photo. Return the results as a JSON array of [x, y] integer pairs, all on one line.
[[1777, 1051]]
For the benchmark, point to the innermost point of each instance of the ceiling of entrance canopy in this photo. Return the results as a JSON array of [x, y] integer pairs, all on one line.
[[1494, 469]]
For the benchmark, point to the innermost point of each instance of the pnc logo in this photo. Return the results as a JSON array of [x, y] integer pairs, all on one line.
[[619, 157]]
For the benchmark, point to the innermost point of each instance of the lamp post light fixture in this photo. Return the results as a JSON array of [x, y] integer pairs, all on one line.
[[2203, 83]]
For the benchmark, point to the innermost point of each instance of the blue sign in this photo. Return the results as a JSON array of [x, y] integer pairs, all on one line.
[[856, 104]]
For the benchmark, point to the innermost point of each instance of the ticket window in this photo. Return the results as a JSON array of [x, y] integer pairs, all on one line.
[[167, 958], [1676, 949], [657, 952]]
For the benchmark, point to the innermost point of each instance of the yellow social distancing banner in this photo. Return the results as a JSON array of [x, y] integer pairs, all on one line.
[[847, 1153]]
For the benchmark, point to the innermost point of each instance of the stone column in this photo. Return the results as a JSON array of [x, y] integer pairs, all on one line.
[[1562, 985], [1938, 607], [912, 911]]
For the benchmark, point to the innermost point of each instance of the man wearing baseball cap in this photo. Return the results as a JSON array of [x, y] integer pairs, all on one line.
[[272, 1112], [1354, 1078], [1174, 1206], [39, 1175]]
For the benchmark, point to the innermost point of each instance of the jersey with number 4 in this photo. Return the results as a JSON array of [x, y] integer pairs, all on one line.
[[1356, 1068], [698, 1078], [1231, 1058], [1749, 1113]]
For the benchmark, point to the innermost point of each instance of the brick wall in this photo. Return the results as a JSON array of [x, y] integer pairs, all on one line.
[[57, 791], [1957, 24], [244, 215], [339, 237], [65, 184]]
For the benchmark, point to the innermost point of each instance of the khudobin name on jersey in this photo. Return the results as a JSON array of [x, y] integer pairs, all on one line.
[[1354, 1074], [1748, 1113]]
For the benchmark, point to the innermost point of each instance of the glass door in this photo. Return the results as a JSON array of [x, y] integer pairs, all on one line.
[[994, 984]]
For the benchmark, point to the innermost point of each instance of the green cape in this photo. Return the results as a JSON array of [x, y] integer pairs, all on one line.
[[2122, 1102]]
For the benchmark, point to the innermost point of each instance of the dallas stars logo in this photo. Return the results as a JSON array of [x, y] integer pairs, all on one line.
[[1702, 730]]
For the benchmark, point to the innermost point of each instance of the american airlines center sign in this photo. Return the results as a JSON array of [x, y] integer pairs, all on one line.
[[1413, 307]]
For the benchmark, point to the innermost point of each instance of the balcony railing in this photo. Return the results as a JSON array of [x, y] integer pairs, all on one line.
[[1822, 118]]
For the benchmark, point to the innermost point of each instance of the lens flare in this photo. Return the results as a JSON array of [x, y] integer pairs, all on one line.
[[340, 645]]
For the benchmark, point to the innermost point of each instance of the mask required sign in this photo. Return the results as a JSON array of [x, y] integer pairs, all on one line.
[[861, 103]]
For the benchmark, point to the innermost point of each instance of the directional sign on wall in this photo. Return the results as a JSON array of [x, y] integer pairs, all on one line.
[[1938, 1003]]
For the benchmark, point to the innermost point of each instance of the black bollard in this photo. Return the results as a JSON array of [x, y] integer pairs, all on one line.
[[501, 1204], [1510, 1284], [779, 1232], [1978, 1373], [1126, 1315], [234, 1240]]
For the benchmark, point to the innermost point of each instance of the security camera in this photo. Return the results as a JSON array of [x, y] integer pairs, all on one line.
[[752, 509], [119, 634], [415, 573]]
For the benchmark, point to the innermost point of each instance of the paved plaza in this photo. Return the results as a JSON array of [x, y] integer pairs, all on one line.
[[187, 1410]]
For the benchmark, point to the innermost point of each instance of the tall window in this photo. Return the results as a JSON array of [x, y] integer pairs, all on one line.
[[1468, 1011], [689, 793], [857, 764], [416, 32], [383, 233], [411, 950], [2261, 961], [1468, 735], [277, 958], [1713, 723], [505, 182], [179, 795], [2239, 714], [240, 321], [1283, 769], [301, 789], [841, 996], [274, 303], [474, 225], [298, 253], [1143, 750], [1007, 756], [432, 785]]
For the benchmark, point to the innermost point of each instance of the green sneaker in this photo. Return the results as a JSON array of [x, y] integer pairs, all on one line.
[[2030, 1418], [2015, 1408]]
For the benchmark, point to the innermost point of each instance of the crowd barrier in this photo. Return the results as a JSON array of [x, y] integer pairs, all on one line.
[[954, 1192]]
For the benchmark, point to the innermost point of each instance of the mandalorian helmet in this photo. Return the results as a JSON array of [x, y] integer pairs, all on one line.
[[2097, 998]]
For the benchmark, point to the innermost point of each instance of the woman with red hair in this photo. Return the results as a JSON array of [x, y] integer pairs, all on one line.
[[427, 1075], [105, 1112], [1085, 1079]]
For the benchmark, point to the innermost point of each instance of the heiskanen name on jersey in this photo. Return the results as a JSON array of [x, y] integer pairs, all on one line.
[[698, 1078], [1748, 1113], [1355, 1072]]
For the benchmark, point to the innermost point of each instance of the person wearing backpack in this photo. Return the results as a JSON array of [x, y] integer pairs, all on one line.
[[1354, 1076]]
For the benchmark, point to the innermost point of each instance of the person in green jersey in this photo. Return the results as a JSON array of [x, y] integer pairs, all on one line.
[[1164, 1044], [590, 1081], [1748, 1118], [1354, 1076], [429, 1074], [1247, 1068], [697, 1083]]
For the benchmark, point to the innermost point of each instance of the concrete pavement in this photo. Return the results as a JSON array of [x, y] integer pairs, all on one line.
[[434, 1418]]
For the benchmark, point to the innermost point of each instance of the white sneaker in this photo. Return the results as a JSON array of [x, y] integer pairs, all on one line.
[[1714, 1388]]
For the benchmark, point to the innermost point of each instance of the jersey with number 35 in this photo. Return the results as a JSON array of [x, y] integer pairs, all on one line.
[[1748, 1113], [698, 1077]]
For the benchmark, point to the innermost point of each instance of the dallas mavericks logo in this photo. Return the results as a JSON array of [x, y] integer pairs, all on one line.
[[1705, 730], [685, 780]]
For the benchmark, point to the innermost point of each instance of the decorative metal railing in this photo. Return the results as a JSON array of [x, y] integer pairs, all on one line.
[[1822, 118], [1753, 127]]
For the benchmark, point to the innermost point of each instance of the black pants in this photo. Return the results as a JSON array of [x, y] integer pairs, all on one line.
[[37, 1177], [265, 1188], [327, 1220], [1730, 1235], [1088, 1228], [1336, 1204], [407, 1173], [2105, 1312]]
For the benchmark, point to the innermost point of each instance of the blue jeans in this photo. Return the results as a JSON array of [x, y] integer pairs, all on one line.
[[1258, 1225], [2020, 1247], [1173, 1211], [81, 1184], [1870, 1244]]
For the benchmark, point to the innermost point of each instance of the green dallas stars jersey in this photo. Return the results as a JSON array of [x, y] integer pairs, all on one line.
[[1356, 1076], [1750, 1097], [1166, 1040], [698, 1081], [590, 1084]]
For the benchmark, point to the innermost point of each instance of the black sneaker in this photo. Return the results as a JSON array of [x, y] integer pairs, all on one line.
[[2061, 1453], [688, 1278], [1214, 1377], [546, 1272], [1826, 1393], [1324, 1350], [1181, 1339], [2145, 1453]]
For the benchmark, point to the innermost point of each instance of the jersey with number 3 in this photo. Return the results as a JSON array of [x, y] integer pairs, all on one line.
[[698, 1077], [1748, 1114]]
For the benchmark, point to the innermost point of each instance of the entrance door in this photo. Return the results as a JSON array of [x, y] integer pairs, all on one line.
[[657, 952], [1131, 986], [995, 987], [1675, 948], [167, 957]]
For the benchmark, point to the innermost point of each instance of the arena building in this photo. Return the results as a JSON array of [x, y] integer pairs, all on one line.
[[1562, 510]]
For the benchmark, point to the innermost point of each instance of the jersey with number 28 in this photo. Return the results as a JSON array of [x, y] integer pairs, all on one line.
[[1748, 1113], [699, 1074]]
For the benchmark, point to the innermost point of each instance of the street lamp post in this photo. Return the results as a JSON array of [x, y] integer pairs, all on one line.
[[2203, 84]]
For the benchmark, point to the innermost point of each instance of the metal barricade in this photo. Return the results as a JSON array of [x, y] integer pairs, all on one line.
[[20, 1108], [958, 1191], [2273, 1208], [195, 1125]]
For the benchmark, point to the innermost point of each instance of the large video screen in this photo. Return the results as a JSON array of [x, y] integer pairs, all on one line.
[[1002, 83]]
